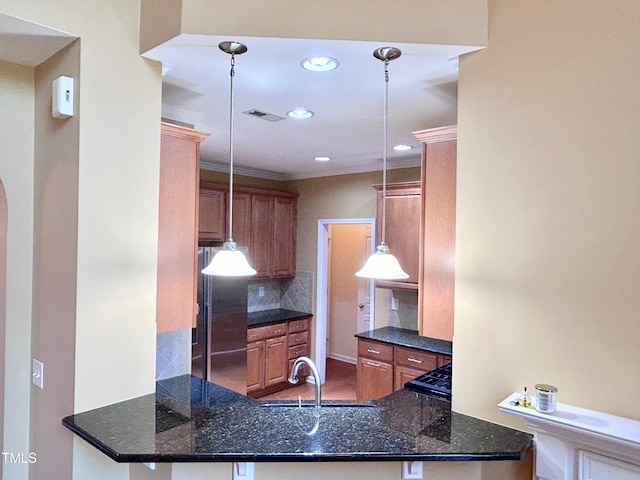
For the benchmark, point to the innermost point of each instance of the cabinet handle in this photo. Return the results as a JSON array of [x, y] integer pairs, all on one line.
[[373, 364], [414, 360], [371, 350]]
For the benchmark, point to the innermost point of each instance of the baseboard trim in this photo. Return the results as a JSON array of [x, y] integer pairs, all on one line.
[[342, 358]]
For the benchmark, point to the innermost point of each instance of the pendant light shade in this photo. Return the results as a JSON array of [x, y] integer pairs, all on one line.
[[382, 265], [230, 262]]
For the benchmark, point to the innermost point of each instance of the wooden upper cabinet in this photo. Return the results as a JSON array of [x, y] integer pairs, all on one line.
[[261, 246], [212, 215], [177, 227], [437, 232], [241, 219], [284, 236], [265, 221], [402, 230]]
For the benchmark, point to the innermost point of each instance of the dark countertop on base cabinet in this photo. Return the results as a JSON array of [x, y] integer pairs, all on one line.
[[408, 338], [265, 317], [190, 420]]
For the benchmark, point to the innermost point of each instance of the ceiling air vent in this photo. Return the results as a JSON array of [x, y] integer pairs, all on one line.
[[264, 115]]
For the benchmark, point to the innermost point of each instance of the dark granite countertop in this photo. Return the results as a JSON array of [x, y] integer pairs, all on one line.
[[265, 317], [408, 338], [191, 420]]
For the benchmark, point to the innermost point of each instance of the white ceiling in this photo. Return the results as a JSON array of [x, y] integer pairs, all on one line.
[[348, 102]]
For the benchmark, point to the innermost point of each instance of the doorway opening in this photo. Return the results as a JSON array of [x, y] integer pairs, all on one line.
[[344, 303]]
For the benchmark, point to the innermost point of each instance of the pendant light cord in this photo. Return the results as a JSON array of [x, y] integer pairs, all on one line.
[[231, 74], [384, 152]]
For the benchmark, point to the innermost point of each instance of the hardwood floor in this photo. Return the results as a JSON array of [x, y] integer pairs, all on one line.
[[340, 384]]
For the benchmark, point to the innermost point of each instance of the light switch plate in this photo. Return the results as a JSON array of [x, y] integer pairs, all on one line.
[[37, 373]]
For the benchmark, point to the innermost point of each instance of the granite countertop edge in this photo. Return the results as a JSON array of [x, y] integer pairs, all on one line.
[[190, 420]]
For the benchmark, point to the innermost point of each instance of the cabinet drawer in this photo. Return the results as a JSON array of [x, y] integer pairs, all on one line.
[[375, 350], [267, 331], [443, 360], [416, 359], [299, 325], [298, 338], [298, 351]]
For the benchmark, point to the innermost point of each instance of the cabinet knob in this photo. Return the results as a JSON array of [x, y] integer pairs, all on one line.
[[361, 306]]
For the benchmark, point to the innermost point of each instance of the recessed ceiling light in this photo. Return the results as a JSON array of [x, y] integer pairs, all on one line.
[[402, 147], [322, 159], [319, 64], [300, 113]]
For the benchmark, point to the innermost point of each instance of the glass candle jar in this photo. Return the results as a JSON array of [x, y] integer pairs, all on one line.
[[545, 398]]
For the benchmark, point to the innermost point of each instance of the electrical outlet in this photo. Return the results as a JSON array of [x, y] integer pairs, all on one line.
[[411, 470], [394, 303], [37, 373], [243, 470], [261, 291]]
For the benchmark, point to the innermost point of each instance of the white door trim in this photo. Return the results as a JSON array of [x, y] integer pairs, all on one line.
[[322, 282]]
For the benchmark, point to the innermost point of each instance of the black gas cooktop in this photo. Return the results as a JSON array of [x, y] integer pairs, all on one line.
[[435, 382]]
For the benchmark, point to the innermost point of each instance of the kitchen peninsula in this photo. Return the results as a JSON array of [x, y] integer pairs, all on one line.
[[190, 420]]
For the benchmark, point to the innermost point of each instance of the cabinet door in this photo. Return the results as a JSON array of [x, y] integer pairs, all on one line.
[[261, 235], [255, 366], [284, 236], [402, 226], [276, 361], [401, 375], [177, 234], [241, 219], [437, 269], [212, 215], [374, 379]]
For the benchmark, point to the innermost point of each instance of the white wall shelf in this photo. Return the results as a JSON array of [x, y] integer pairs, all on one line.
[[571, 436]]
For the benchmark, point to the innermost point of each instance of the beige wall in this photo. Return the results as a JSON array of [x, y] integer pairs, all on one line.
[[117, 221], [16, 172], [456, 22], [548, 226], [55, 269], [506, 470]]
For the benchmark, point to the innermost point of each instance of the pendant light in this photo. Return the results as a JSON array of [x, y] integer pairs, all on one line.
[[382, 265], [230, 262]]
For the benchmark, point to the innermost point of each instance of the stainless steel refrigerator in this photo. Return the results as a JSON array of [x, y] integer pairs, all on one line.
[[219, 341]]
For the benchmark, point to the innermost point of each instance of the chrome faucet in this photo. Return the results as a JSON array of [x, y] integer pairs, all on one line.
[[293, 378]]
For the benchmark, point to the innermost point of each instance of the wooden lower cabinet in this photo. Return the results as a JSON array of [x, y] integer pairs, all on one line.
[[266, 363], [383, 368], [402, 375], [255, 366], [271, 351], [275, 359], [374, 379]]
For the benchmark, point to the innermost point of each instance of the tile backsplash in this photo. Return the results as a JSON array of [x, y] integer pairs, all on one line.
[[173, 353], [290, 293], [407, 313]]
